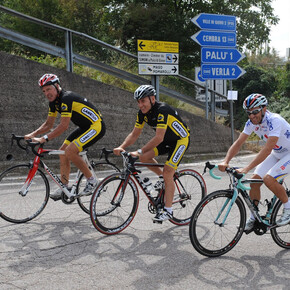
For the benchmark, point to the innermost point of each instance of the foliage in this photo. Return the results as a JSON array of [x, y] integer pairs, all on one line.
[[123, 22]]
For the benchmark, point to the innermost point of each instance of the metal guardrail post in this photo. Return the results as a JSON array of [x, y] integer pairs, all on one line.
[[68, 51]]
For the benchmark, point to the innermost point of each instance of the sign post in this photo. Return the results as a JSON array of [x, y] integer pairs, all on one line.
[[219, 56], [157, 58]]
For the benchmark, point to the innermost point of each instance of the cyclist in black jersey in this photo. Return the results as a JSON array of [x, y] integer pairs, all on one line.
[[172, 138], [83, 114]]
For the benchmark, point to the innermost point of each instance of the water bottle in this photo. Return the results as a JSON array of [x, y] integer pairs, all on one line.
[[148, 184]]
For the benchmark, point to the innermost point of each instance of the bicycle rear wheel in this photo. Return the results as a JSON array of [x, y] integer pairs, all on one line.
[[102, 170], [280, 235], [190, 188], [207, 234], [114, 204], [16, 207]]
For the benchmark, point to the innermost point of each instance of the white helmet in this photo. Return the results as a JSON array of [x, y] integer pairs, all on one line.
[[144, 91], [254, 100]]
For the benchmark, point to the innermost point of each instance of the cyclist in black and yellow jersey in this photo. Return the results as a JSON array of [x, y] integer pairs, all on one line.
[[172, 138], [83, 114]]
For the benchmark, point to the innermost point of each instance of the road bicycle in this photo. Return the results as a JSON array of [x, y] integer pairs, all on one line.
[[24, 188], [218, 221], [115, 201]]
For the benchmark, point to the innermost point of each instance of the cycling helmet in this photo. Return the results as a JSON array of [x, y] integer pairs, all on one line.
[[48, 79], [254, 100], [144, 91]]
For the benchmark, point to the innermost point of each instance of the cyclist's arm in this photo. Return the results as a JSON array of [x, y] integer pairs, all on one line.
[[45, 127], [130, 139], [155, 141], [233, 150], [61, 128], [263, 154]]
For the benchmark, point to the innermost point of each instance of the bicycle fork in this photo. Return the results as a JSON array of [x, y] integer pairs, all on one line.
[[227, 206]]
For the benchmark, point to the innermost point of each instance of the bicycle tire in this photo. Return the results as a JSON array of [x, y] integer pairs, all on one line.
[[207, 236], [280, 235], [16, 208], [190, 188], [111, 210], [102, 170]]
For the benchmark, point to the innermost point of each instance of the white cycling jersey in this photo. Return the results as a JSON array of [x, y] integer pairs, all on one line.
[[272, 125], [277, 164]]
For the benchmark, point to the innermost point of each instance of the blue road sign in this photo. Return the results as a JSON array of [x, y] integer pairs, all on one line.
[[221, 71], [215, 21], [220, 55], [215, 38]]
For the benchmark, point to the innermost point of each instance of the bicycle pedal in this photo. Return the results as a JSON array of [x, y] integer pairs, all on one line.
[[158, 222], [249, 231], [55, 198]]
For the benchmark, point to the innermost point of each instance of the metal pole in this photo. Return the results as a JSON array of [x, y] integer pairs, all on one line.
[[155, 84], [232, 113], [68, 51], [206, 99]]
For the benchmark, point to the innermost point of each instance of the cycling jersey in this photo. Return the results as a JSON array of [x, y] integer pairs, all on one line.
[[163, 116], [272, 125], [176, 139], [82, 112]]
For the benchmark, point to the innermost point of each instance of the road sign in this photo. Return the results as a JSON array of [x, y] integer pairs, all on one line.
[[157, 57], [220, 55], [221, 71], [157, 46], [215, 22], [215, 38], [157, 69]]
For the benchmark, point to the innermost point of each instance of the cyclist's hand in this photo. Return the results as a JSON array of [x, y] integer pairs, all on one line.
[[222, 166], [118, 150], [28, 136], [135, 153], [38, 140], [242, 170]]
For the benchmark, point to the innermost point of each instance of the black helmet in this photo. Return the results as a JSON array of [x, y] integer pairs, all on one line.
[[144, 91]]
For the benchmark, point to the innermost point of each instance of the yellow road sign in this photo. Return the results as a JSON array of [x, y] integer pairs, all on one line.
[[158, 46]]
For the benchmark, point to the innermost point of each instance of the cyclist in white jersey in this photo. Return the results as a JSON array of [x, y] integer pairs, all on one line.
[[273, 161]]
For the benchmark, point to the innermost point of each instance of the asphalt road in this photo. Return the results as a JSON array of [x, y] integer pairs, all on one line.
[[62, 250]]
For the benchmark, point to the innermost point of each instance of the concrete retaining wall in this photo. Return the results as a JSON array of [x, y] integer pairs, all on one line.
[[23, 109]]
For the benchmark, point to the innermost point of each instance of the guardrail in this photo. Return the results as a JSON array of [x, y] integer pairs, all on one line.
[[71, 57]]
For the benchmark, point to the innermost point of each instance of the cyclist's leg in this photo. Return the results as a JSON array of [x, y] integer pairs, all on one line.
[[87, 138], [148, 157], [174, 157], [278, 171], [64, 165], [259, 173]]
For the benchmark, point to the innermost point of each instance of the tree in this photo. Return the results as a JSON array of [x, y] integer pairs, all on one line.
[[122, 22]]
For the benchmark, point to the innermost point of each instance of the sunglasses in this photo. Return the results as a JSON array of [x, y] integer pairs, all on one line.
[[254, 112]]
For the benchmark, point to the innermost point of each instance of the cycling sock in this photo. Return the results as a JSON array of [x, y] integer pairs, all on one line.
[[287, 204], [168, 209]]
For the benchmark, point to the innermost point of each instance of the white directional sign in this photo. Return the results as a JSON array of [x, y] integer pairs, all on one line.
[[157, 57], [158, 69]]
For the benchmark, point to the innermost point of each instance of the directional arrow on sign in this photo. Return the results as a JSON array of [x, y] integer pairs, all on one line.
[[221, 71], [220, 55], [215, 21], [215, 38], [141, 45]]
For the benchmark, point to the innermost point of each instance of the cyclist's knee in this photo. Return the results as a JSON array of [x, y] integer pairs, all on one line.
[[256, 185], [268, 180]]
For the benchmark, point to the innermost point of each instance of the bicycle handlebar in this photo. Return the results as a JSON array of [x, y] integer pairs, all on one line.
[[129, 161], [231, 170], [27, 143]]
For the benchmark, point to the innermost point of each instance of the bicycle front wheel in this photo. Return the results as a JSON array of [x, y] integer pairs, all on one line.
[[102, 170], [190, 188], [114, 204], [280, 235], [212, 234], [17, 206]]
